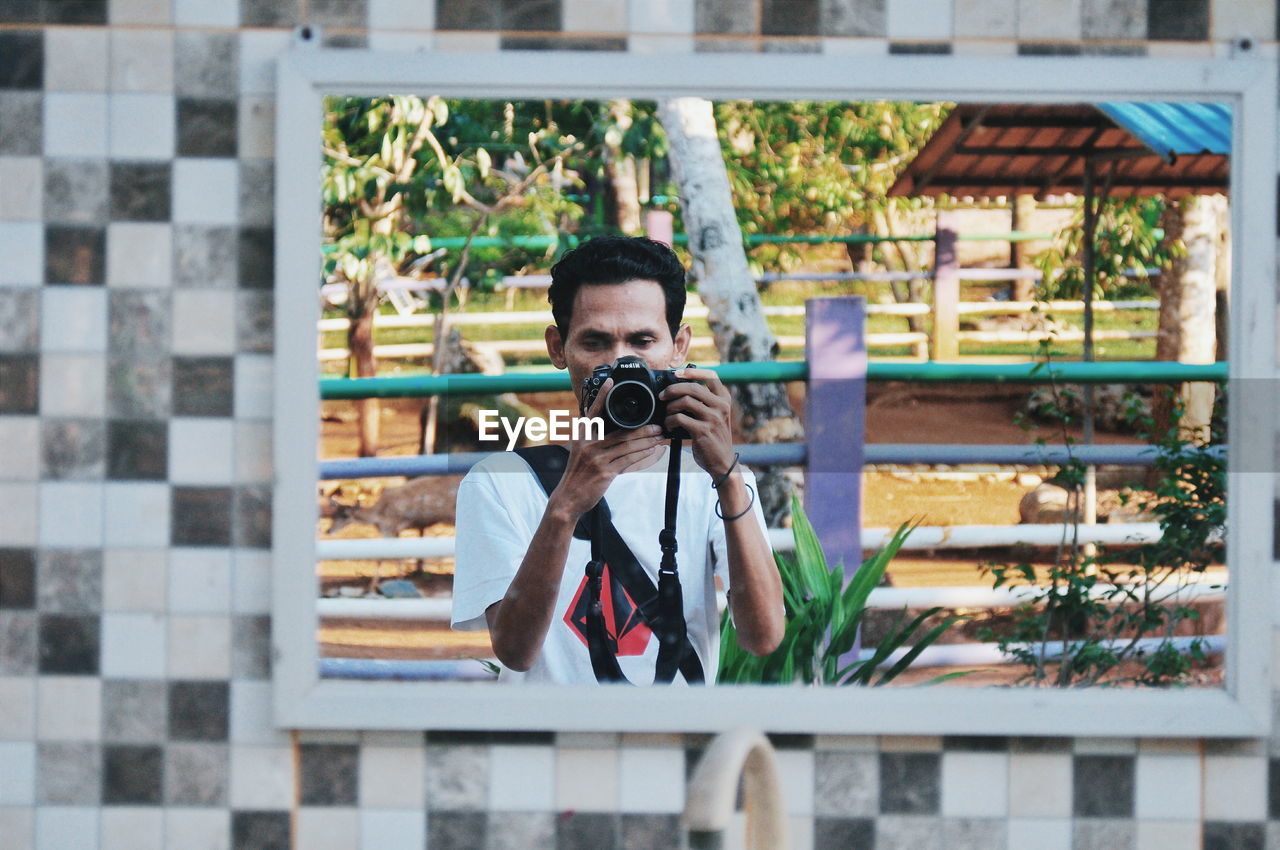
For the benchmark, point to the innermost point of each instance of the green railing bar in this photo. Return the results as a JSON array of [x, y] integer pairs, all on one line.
[[1110, 372]]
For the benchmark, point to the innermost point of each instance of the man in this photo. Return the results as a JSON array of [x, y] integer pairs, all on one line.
[[520, 569]]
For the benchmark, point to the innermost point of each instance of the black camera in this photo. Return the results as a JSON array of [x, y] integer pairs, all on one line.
[[632, 401]]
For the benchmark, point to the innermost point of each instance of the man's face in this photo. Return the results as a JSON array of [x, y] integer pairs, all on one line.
[[614, 320]]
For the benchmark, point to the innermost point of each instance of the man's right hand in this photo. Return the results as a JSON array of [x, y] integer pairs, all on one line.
[[593, 464]]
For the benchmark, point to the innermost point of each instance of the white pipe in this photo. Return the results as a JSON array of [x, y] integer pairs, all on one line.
[[740, 757], [971, 654]]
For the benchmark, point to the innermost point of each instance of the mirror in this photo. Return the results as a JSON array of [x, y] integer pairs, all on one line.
[[311, 685]]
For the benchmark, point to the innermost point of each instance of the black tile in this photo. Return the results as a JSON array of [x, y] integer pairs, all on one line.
[[72, 449], [1038, 48], [141, 191], [202, 386], [261, 830], [252, 523], [844, 833], [19, 383], [457, 830], [976, 743], [468, 14], [255, 322], [19, 11], [1273, 789], [330, 774], [345, 40], [1177, 20], [919, 48], [1221, 835], [650, 831], [587, 831], [17, 578], [562, 42], [257, 253], [21, 59], [1102, 786], [137, 450], [910, 783], [132, 775], [531, 15], [74, 11], [201, 516], [270, 13], [69, 643], [464, 736], [22, 130], [207, 127], [75, 254], [790, 741], [1275, 527], [790, 17], [199, 711]]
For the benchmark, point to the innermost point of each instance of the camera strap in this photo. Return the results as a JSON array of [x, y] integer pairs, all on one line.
[[661, 607]]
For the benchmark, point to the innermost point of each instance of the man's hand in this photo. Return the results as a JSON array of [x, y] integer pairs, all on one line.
[[705, 410]]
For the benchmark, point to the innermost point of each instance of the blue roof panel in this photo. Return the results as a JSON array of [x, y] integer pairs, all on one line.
[[1175, 128]]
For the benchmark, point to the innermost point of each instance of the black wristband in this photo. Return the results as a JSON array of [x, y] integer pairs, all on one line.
[[716, 485], [745, 510]]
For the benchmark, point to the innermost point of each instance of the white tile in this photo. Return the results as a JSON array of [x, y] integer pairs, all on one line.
[[796, 772], [1049, 19], [251, 582], [1168, 835], [75, 125], [256, 137], [18, 521], [75, 59], [22, 246], [17, 708], [17, 825], [140, 12], [252, 450], [650, 45], [18, 779], [204, 321], [141, 60], [197, 829], [201, 450], [251, 719], [23, 180], [73, 385], [986, 18], [587, 780], [468, 42], [521, 778], [980, 47], [651, 779], [261, 777], [1035, 834], [73, 319], [594, 16], [1167, 786], [139, 254], [253, 377], [66, 827], [206, 191], [133, 646], [69, 708], [134, 579], [401, 15], [1040, 785], [662, 16], [70, 514], [1236, 20], [392, 829], [328, 829], [19, 448], [908, 19], [142, 126], [975, 784], [199, 647], [1235, 788], [132, 828], [393, 777], [406, 41], [137, 514], [259, 50], [199, 581], [205, 13]]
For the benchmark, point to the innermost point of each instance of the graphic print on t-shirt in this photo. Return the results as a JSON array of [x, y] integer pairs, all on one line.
[[627, 632]]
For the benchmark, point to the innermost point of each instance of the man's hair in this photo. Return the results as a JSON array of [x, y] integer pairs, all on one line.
[[612, 260]]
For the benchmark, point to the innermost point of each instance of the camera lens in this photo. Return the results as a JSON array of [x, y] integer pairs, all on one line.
[[630, 404]]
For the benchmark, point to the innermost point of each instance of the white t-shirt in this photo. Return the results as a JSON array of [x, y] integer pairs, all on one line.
[[500, 505]]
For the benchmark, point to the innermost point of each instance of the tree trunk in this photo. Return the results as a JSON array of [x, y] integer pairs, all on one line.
[[1024, 289], [364, 365], [624, 190], [725, 282]]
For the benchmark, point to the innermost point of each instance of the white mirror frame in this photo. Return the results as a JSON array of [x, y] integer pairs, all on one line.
[[304, 700]]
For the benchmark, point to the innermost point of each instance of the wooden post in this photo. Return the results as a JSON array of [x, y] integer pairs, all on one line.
[[946, 291]]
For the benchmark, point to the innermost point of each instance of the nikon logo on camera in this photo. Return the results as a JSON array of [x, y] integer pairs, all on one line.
[[559, 426]]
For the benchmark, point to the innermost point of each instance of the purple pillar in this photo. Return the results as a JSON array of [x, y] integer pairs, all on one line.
[[835, 424]]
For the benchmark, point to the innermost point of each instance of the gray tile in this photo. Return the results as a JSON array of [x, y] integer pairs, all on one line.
[[140, 386], [854, 18], [974, 834], [726, 44], [1119, 19], [457, 777], [468, 14], [204, 257], [1178, 20], [270, 13], [21, 59], [68, 774], [251, 648], [261, 830], [1111, 834], [22, 130], [196, 774], [75, 191], [75, 254], [252, 517], [910, 783], [17, 642], [69, 581], [200, 516], [909, 832], [846, 783], [330, 774], [199, 711], [563, 42], [339, 14], [456, 830], [139, 321], [844, 833], [134, 711], [726, 17], [206, 64], [257, 191], [19, 320], [790, 45], [587, 831], [17, 578], [1221, 835], [73, 449], [518, 830], [132, 774], [255, 321], [69, 644], [1103, 786], [648, 832]]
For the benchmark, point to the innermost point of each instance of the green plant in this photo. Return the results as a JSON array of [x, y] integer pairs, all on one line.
[[823, 616]]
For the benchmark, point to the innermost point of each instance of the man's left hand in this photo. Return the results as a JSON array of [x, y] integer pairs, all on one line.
[[705, 410]]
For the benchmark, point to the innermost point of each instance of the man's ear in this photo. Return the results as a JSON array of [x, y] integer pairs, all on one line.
[[684, 338], [555, 347]]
